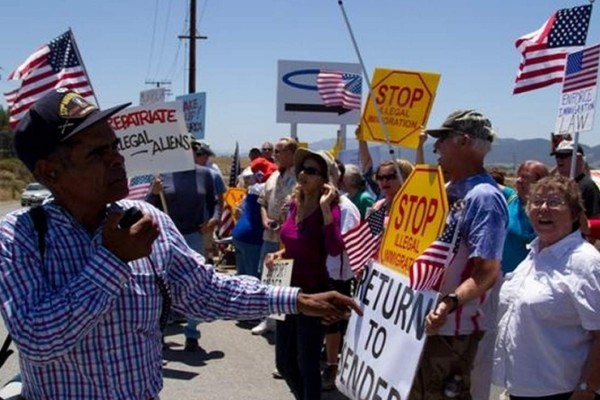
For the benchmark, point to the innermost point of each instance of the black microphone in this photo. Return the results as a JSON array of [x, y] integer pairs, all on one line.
[[130, 217]]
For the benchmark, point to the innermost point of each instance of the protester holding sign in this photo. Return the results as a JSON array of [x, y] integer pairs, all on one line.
[[548, 344], [479, 211], [310, 233]]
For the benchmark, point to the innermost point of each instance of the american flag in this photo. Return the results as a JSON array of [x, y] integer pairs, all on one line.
[[582, 69], [340, 89], [428, 269], [56, 64], [545, 50], [139, 187], [363, 241], [226, 223]]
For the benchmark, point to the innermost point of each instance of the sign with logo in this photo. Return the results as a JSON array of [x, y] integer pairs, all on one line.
[[417, 217], [194, 110], [405, 99], [152, 96], [381, 351], [153, 139], [279, 275], [318, 92]]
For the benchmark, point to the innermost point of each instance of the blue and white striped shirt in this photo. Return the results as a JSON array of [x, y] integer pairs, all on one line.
[[87, 324]]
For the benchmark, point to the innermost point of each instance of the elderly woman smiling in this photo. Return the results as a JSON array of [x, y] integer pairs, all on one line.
[[548, 344]]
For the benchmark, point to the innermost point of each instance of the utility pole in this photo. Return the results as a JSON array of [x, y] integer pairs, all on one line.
[[192, 37]]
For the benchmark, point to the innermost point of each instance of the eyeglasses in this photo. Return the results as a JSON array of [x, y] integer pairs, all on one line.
[[551, 202], [387, 177], [562, 156], [309, 170], [267, 149]]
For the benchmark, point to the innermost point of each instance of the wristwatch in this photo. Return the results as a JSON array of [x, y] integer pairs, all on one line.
[[453, 300], [584, 387]]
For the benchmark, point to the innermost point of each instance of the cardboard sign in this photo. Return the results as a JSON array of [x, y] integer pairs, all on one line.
[[417, 217], [279, 275], [405, 99], [153, 139], [381, 349]]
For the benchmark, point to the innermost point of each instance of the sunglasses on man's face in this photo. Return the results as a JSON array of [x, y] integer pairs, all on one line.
[[267, 149], [562, 156], [388, 177]]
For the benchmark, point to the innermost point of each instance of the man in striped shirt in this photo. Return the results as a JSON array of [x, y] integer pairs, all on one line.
[[84, 313]]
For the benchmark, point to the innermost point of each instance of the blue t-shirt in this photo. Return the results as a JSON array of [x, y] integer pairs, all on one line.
[[249, 228], [520, 233]]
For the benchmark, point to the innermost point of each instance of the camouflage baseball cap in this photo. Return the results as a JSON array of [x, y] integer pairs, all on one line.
[[471, 122]]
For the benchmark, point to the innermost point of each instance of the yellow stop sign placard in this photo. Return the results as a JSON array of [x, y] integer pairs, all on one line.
[[405, 99], [417, 217], [234, 196]]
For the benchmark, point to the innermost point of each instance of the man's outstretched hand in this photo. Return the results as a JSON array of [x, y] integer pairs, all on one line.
[[332, 306]]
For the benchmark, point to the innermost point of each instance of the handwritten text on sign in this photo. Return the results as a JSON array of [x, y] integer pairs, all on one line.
[[381, 350], [153, 139]]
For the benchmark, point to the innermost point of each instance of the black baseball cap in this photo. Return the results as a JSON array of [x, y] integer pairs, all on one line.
[[57, 116]]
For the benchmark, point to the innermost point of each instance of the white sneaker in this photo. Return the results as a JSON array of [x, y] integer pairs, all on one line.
[[266, 326]]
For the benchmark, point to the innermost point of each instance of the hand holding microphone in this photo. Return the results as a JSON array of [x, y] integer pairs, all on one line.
[[130, 235]]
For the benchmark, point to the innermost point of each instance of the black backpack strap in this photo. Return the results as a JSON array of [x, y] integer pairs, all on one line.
[[40, 224]]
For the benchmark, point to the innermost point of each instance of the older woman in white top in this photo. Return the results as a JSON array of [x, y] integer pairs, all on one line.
[[548, 344]]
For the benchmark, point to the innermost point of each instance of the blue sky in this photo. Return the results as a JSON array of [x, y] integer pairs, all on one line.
[[470, 42]]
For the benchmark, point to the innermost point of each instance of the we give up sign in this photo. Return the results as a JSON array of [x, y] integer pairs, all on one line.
[[382, 348]]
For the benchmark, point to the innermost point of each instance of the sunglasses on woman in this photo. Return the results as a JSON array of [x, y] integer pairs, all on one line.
[[388, 177], [310, 170]]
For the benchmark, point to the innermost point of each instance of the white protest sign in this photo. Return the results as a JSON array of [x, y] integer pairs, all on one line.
[[279, 275], [381, 350], [578, 96], [153, 139]]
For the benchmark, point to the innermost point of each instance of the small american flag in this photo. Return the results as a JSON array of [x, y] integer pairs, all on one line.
[[340, 89], [428, 269], [363, 241], [544, 51], [582, 69], [56, 64], [226, 223], [139, 186]]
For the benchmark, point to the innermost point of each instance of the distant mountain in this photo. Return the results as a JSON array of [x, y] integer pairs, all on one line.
[[507, 152]]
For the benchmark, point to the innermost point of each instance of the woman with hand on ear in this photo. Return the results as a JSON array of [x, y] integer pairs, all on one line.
[[310, 233]]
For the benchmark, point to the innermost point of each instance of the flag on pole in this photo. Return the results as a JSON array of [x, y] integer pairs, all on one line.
[[428, 268], [582, 69], [139, 186], [55, 64], [227, 222], [544, 51], [363, 241], [340, 89]]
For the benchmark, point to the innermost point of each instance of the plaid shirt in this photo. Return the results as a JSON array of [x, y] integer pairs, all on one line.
[[87, 325]]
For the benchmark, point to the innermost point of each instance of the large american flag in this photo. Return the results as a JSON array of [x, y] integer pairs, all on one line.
[[227, 222], [56, 64], [544, 51], [363, 241], [139, 186], [428, 269], [582, 69], [340, 89]]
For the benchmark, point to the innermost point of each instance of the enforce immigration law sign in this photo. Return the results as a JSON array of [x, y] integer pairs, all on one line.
[[405, 99], [417, 217]]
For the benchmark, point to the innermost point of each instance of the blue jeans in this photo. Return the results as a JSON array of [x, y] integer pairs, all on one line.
[[247, 257], [298, 343], [267, 247], [195, 241]]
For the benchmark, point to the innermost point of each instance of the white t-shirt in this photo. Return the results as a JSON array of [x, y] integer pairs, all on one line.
[[338, 267], [548, 306]]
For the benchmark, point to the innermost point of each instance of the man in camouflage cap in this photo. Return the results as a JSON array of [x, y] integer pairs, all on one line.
[[457, 323]]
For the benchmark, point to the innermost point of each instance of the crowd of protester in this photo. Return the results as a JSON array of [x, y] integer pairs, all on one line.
[[519, 302]]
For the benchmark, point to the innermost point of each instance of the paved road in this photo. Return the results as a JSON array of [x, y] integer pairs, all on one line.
[[232, 365]]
